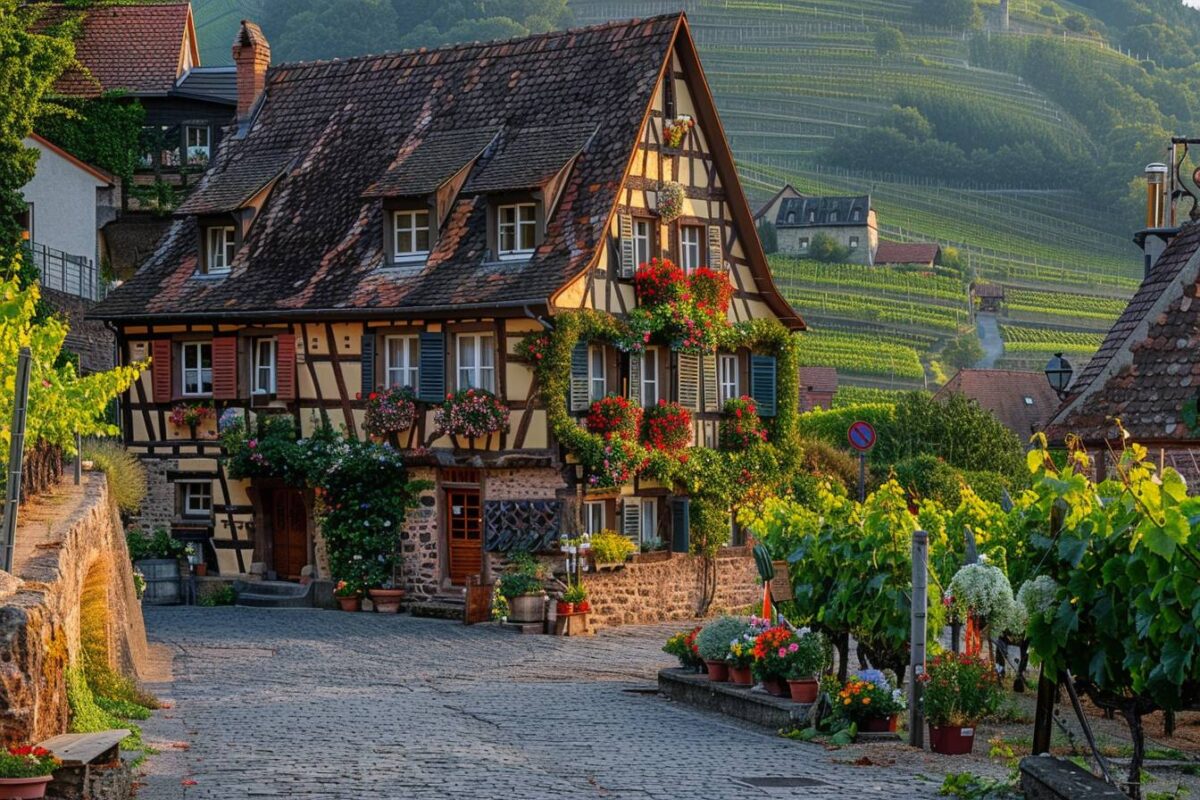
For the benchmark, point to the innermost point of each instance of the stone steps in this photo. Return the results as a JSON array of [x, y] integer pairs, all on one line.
[[273, 594], [439, 607]]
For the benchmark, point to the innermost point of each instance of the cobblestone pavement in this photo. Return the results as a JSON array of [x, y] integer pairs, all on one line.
[[322, 704]]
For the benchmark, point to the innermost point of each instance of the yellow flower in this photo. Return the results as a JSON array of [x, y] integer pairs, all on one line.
[[846, 702], [866, 701]]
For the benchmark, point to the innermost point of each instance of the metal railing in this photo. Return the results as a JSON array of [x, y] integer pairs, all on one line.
[[70, 274]]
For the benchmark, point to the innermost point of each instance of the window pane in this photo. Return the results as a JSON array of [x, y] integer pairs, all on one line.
[[528, 213], [422, 240], [648, 526], [206, 355], [507, 239]]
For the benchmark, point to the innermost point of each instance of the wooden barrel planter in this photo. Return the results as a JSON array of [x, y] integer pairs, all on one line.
[[526, 609], [162, 581]]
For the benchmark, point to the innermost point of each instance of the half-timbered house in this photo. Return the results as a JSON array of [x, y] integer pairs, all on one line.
[[407, 219]]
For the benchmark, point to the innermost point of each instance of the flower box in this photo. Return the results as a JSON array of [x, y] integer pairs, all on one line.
[[951, 740]]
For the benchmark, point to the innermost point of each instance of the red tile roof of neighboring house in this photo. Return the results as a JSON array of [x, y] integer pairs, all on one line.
[[1023, 401], [820, 380], [907, 253], [1148, 367], [137, 48]]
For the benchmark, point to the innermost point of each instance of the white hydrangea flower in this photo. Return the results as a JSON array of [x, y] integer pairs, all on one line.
[[983, 591], [1039, 596]]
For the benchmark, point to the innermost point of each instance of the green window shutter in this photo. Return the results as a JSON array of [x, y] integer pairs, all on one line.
[[625, 227], [716, 249], [431, 382], [680, 524], [687, 380], [631, 519], [579, 377], [708, 371], [762, 384], [368, 365], [635, 378]]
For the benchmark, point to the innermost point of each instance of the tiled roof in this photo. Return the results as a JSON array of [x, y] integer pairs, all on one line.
[[907, 253], [818, 379], [237, 178], [136, 48], [216, 84], [527, 157], [988, 290], [429, 162], [795, 212], [1149, 364], [340, 126], [1022, 401]]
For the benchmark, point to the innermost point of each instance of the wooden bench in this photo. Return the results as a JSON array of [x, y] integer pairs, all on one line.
[[91, 766]]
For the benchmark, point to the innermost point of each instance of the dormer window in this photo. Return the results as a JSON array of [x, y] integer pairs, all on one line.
[[516, 230], [221, 244], [410, 235]]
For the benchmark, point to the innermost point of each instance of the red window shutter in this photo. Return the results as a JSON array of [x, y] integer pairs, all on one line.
[[160, 370], [285, 366], [224, 368]]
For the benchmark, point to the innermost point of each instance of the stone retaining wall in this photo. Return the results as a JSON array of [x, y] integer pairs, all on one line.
[[673, 588], [71, 578]]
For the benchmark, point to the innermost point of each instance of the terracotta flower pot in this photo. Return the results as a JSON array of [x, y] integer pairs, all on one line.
[[804, 691], [562, 609], [775, 686], [718, 671], [740, 676], [951, 740], [21, 788], [878, 724], [386, 601], [583, 608], [201, 569], [352, 603]]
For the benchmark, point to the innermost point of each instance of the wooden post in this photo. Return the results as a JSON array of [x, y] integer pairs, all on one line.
[[1043, 719], [16, 453], [916, 659], [78, 459]]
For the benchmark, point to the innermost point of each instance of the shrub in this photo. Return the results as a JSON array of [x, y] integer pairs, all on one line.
[[983, 591], [741, 427], [666, 427], [683, 646], [26, 761], [610, 547], [659, 281], [614, 415], [713, 641], [125, 472], [160, 544], [221, 596], [390, 410], [516, 584], [869, 694], [471, 413], [959, 690]]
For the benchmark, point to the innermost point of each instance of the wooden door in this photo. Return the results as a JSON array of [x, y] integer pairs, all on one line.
[[289, 534], [465, 534]]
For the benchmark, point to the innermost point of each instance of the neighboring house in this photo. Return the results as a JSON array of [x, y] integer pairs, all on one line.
[[408, 219], [850, 221], [818, 385], [919, 254], [1022, 401]]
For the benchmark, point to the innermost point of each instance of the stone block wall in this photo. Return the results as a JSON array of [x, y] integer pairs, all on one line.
[[671, 589], [419, 542], [89, 339], [158, 509]]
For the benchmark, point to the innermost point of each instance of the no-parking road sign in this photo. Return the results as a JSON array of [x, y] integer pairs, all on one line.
[[861, 436]]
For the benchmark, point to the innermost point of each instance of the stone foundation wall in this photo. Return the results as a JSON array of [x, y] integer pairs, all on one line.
[[671, 589], [422, 568], [71, 576], [158, 509]]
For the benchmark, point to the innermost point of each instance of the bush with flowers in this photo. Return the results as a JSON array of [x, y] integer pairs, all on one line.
[[660, 281], [770, 653], [982, 590], [615, 415], [715, 638], [683, 646], [869, 694], [667, 427], [610, 462], [390, 410], [741, 428], [27, 761], [533, 347], [472, 413], [803, 657], [688, 312], [959, 690], [189, 415]]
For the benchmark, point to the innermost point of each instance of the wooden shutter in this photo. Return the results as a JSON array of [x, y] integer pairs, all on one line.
[[716, 249], [224, 367], [285, 366], [680, 524], [631, 519], [160, 370], [628, 253], [712, 388], [578, 389], [368, 365], [762, 384], [431, 382], [687, 380], [635, 378]]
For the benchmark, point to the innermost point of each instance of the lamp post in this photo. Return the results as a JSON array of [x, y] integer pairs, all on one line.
[[1059, 372]]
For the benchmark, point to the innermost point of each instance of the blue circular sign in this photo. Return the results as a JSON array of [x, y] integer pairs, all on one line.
[[861, 436]]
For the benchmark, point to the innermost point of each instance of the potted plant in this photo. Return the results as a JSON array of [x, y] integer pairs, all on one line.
[[770, 665], [805, 657], [741, 659], [712, 645], [390, 411], [348, 595], [190, 416], [386, 598], [871, 700], [683, 646], [573, 598], [959, 690], [25, 770], [522, 587], [610, 549]]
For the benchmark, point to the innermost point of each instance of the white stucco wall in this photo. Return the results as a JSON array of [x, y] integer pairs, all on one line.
[[64, 199]]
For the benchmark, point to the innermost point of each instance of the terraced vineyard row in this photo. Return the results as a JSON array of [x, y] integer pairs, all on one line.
[[1045, 339], [864, 355], [881, 309], [857, 395], [874, 280], [1070, 306]]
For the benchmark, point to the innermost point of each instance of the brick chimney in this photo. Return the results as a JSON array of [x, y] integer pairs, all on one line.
[[252, 54]]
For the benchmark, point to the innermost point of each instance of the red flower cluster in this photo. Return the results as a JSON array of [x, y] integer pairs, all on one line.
[[667, 427], [28, 750], [690, 640], [533, 348], [614, 415], [659, 281], [712, 290], [741, 426], [769, 641]]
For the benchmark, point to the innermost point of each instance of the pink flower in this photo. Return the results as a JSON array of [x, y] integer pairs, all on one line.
[[793, 647], [783, 652]]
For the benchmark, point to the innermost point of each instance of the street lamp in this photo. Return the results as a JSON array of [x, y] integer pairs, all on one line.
[[1059, 372]]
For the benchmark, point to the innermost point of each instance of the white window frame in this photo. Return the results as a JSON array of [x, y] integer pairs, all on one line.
[[519, 227], [648, 508], [199, 372], [853, 243], [407, 372], [691, 252], [476, 374], [642, 241], [833, 216], [186, 508], [728, 377], [593, 517], [597, 373], [197, 149], [220, 247], [650, 380], [409, 231], [270, 347], [804, 245]]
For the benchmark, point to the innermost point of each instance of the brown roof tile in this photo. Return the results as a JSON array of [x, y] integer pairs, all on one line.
[[818, 379], [1022, 401], [907, 253]]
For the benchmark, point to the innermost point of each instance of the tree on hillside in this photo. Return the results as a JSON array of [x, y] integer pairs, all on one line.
[[824, 247], [963, 352], [949, 13], [768, 235], [889, 40]]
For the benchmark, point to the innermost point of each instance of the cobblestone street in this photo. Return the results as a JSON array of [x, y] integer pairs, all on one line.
[[299, 703]]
